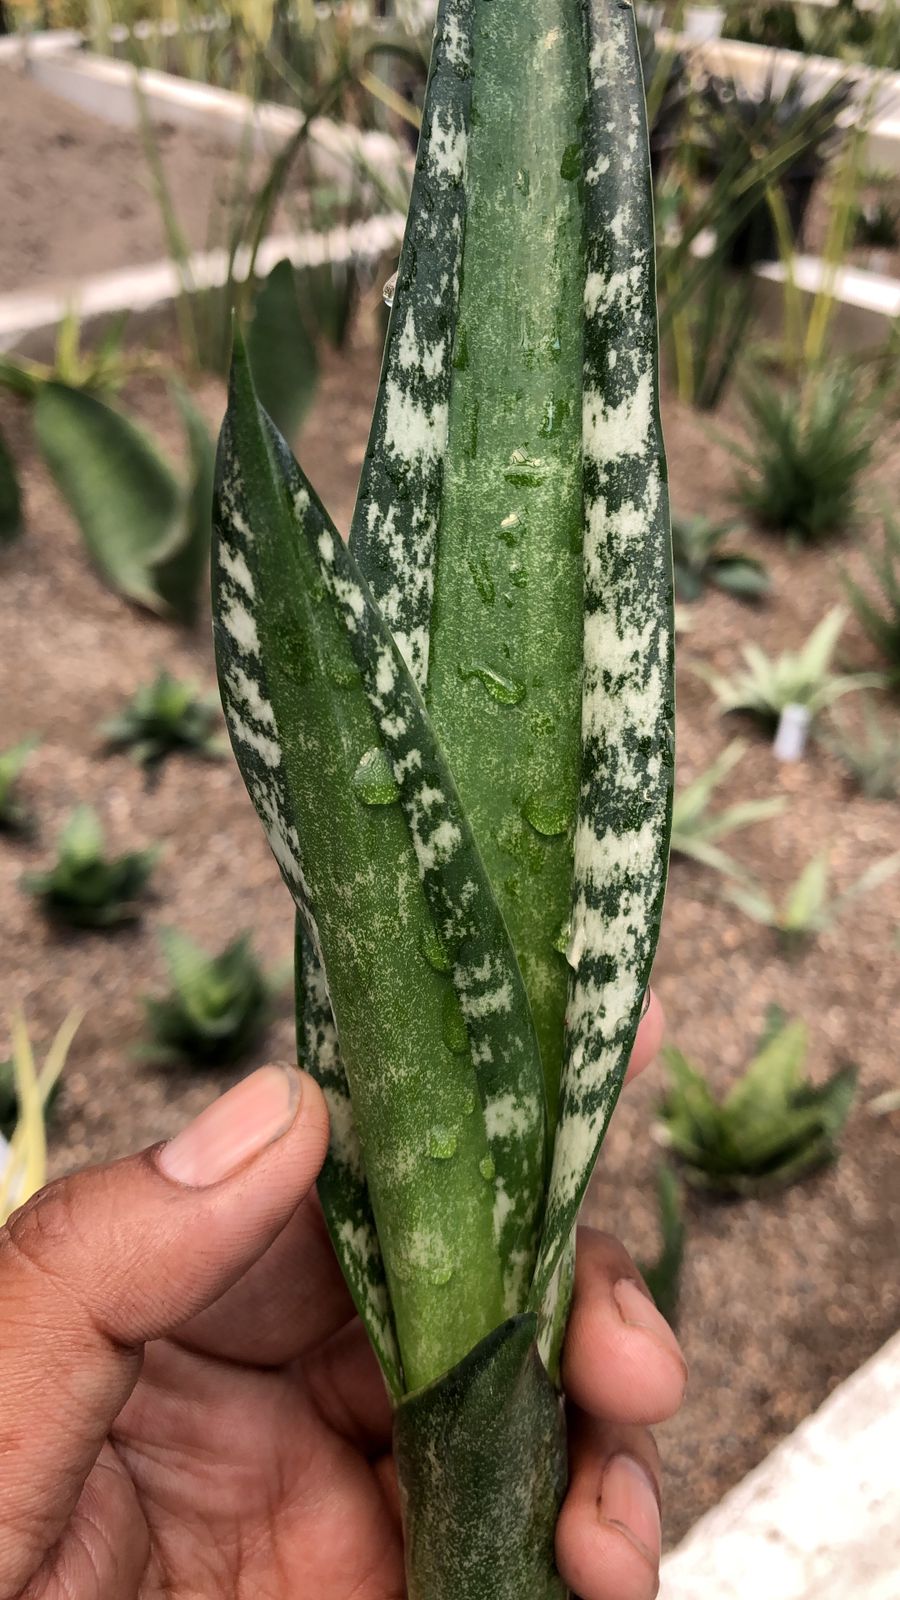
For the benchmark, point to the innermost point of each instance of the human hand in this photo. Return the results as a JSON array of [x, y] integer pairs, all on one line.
[[189, 1406]]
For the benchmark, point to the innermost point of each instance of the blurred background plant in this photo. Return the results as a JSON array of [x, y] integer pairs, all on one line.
[[218, 1006], [163, 717], [86, 888]]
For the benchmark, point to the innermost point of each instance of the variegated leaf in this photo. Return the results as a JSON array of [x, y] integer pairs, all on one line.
[[295, 630], [628, 696], [342, 1185], [394, 532]]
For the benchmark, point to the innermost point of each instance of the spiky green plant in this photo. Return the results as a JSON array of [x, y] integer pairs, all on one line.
[[699, 561], [871, 756], [218, 1006], [165, 716], [663, 1275], [806, 908], [696, 831], [85, 887], [13, 815], [807, 453], [773, 1126], [437, 721], [796, 677], [880, 616]]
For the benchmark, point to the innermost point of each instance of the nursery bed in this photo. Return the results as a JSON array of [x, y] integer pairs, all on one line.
[[782, 1297], [76, 194]]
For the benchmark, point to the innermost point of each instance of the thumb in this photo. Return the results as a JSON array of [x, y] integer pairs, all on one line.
[[97, 1264]]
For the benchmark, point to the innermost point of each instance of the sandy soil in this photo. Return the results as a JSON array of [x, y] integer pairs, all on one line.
[[76, 194], [783, 1297]]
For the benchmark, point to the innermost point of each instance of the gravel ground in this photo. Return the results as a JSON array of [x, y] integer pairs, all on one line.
[[783, 1297]]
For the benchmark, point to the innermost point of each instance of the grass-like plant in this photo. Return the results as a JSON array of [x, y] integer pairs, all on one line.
[[14, 816], [86, 888], [663, 1275], [696, 831], [163, 717], [699, 562], [871, 755], [806, 907], [880, 616], [773, 1127], [218, 1006], [25, 1097], [796, 677], [457, 732], [807, 452]]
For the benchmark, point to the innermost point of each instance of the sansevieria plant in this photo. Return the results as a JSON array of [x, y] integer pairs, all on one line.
[[457, 732]]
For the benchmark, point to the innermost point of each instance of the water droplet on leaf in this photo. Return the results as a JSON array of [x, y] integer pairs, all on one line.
[[546, 816], [441, 1144], [484, 583], [373, 781], [434, 950], [453, 1025], [502, 687], [561, 942], [441, 1274], [486, 1168], [390, 289]]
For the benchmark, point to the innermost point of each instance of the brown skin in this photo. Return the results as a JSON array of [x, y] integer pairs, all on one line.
[[189, 1408]]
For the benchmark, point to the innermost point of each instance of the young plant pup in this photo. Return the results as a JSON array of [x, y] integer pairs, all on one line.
[[457, 732]]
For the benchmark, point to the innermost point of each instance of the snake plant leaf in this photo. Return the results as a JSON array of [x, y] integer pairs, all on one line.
[[625, 804], [395, 524], [282, 354], [343, 1190], [124, 497], [10, 495], [481, 1456], [311, 682]]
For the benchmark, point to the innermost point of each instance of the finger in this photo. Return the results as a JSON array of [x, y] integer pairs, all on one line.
[[609, 1534], [291, 1300], [344, 1380], [295, 1297], [621, 1359], [649, 1037], [101, 1262]]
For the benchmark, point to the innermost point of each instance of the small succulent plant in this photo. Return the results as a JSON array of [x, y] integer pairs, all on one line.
[[796, 677], [699, 561], [84, 887], [165, 716], [871, 756], [14, 817], [217, 1008], [696, 831], [773, 1126], [880, 616], [806, 908]]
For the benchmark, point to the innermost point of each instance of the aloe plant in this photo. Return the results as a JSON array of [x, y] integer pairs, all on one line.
[[218, 1006], [880, 616], [796, 677], [806, 908], [86, 888], [871, 756], [458, 735], [13, 815], [162, 717], [807, 453], [696, 831], [699, 561], [773, 1127]]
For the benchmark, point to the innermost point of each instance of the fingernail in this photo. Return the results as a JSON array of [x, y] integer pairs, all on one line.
[[234, 1129], [628, 1500], [638, 1311]]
